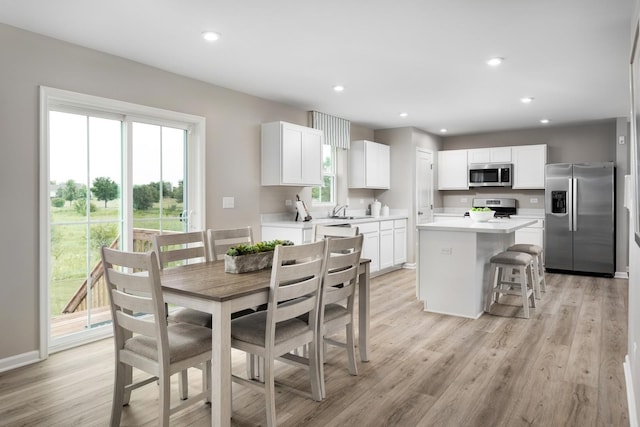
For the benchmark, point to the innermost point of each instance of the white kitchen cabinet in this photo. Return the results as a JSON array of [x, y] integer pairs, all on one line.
[[399, 241], [291, 154], [453, 170], [371, 243], [369, 165], [489, 155], [528, 166], [386, 244]]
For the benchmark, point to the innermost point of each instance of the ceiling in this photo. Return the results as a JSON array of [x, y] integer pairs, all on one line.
[[423, 57]]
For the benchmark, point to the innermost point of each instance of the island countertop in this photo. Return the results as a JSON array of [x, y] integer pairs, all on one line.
[[502, 225]]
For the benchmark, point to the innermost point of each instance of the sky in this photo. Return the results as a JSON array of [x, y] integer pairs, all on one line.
[[71, 157]]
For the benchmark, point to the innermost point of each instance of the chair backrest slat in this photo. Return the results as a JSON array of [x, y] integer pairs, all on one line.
[[341, 271], [221, 240], [180, 247], [324, 231]]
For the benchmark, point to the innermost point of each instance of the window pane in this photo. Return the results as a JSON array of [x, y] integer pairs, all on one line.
[[327, 159], [105, 170]]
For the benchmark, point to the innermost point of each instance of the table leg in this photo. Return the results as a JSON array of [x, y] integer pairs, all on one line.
[[221, 365], [363, 312]]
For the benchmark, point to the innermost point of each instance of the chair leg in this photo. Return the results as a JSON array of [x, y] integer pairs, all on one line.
[[206, 381], [351, 350], [270, 392], [183, 385], [536, 278], [164, 399], [128, 379], [543, 282], [531, 279], [118, 394], [314, 372]]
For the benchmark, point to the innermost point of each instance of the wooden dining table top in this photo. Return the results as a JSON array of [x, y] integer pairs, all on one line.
[[209, 280]]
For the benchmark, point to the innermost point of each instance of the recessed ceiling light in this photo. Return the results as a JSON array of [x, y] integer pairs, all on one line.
[[404, 114], [443, 130], [210, 36], [545, 121], [338, 88], [526, 100], [494, 62]]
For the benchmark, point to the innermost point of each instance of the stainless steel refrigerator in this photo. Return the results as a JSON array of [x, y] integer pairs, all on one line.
[[579, 218]]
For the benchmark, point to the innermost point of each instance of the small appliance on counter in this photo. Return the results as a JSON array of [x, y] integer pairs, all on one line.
[[375, 209], [302, 211], [503, 208]]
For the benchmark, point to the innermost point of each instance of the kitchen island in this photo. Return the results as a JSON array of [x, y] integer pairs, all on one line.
[[453, 262]]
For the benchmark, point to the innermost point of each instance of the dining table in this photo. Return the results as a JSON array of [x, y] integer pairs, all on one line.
[[207, 287]]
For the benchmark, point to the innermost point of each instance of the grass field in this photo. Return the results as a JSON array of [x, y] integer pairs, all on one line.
[[74, 235]]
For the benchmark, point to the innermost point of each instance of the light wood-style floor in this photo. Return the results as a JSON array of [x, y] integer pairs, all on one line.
[[562, 367]]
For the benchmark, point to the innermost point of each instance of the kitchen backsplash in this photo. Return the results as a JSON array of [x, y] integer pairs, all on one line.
[[526, 199]]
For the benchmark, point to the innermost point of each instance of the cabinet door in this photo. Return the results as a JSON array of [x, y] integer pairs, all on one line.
[[311, 173], [528, 166], [291, 155], [371, 248], [400, 244], [453, 170], [386, 248], [500, 155], [376, 165], [479, 155]]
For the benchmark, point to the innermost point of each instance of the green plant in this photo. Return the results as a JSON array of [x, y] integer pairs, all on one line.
[[57, 202], [245, 249], [80, 206], [103, 234]]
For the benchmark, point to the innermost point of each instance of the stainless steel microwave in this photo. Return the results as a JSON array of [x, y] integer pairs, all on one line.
[[490, 175]]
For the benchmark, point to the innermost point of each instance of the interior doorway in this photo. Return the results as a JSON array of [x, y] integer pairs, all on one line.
[[424, 186]]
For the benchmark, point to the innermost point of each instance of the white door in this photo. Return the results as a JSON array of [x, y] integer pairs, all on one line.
[[424, 186]]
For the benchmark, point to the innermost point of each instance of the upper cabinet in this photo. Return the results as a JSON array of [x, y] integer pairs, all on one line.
[[369, 165], [528, 166], [489, 155], [291, 155], [453, 170]]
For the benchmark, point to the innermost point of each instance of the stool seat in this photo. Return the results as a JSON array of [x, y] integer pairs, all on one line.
[[536, 252], [526, 248], [512, 258]]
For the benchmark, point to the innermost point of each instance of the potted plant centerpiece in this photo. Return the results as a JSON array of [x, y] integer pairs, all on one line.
[[243, 258]]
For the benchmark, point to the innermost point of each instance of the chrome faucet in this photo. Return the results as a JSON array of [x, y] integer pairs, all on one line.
[[339, 208]]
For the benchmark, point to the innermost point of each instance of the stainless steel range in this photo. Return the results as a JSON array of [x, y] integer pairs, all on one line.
[[504, 208]]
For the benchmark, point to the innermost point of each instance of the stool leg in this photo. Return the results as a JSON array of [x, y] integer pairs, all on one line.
[[543, 282], [524, 290], [536, 278], [530, 277], [488, 296]]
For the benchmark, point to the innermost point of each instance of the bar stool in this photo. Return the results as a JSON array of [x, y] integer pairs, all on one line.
[[500, 283], [538, 269]]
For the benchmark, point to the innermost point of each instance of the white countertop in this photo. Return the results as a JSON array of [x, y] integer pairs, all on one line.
[[467, 225], [330, 221]]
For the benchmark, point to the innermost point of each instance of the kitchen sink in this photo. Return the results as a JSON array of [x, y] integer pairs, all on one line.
[[348, 217]]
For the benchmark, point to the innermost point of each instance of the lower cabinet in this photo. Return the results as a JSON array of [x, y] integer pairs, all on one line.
[[371, 243], [384, 243]]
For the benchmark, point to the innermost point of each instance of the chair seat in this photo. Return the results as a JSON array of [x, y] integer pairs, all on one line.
[[512, 258], [185, 341], [526, 248], [252, 328], [194, 317], [334, 311]]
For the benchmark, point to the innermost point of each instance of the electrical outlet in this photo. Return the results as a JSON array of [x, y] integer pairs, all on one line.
[[533, 200], [621, 140], [463, 200], [446, 251], [228, 202], [362, 201], [288, 203]]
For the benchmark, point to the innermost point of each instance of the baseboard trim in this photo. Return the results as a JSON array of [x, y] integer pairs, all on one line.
[[19, 360], [621, 275], [631, 400], [409, 265]]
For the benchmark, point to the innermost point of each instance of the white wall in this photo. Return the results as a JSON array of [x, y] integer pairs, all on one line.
[[232, 154]]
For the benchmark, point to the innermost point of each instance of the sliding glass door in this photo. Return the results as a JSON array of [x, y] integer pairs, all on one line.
[[113, 180]]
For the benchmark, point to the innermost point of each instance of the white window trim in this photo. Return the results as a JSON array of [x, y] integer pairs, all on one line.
[[196, 128]]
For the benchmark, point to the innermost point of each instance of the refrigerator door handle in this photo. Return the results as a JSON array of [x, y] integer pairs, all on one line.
[[574, 202], [570, 204]]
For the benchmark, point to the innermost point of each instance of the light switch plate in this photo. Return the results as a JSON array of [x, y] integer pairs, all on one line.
[[228, 202]]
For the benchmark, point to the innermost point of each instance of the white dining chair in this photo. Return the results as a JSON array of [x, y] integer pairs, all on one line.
[[221, 240], [142, 337], [294, 290], [322, 231]]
